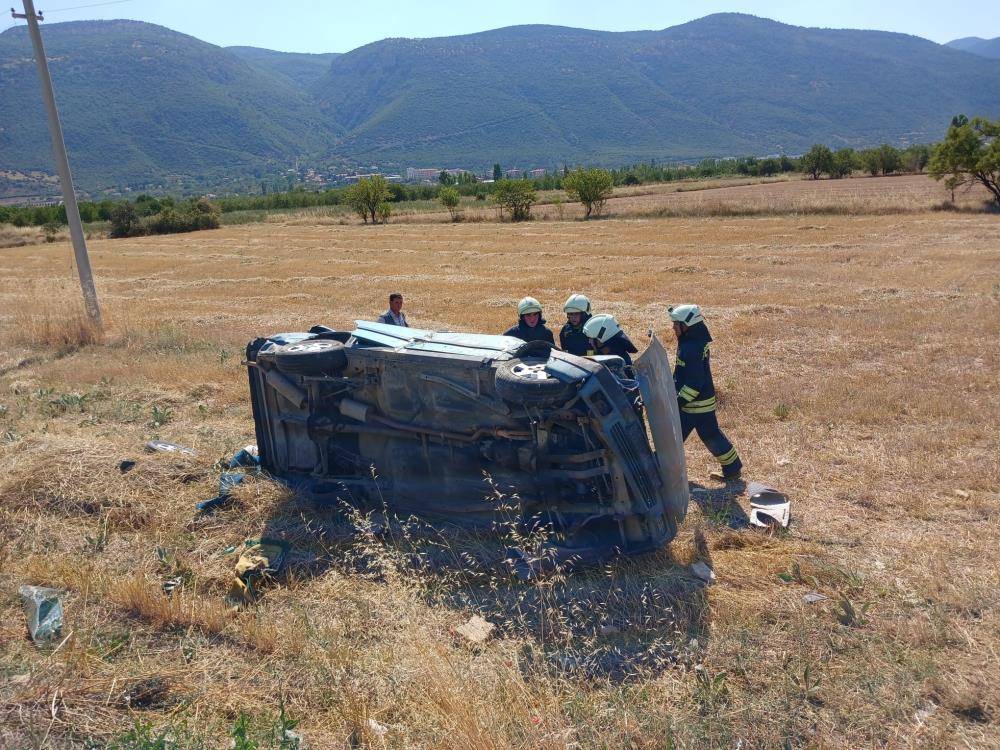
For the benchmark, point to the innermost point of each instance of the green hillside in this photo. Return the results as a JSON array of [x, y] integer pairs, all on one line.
[[724, 85], [300, 68], [145, 106], [978, 46], [140, 103]]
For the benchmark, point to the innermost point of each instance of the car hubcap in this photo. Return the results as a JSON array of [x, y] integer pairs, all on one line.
[[312, 346], [530, 372]]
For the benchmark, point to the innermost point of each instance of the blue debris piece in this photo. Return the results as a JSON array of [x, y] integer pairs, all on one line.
[[245, 458]]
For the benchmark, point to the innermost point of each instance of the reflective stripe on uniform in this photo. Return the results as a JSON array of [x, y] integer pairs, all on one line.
[[687, 393], [699, 407], [728, 457], [680, 362]]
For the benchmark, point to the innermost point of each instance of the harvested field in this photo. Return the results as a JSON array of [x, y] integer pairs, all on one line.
[[775, 196], [857, 367]]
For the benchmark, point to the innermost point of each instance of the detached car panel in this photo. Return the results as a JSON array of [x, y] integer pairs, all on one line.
[[418, 419]]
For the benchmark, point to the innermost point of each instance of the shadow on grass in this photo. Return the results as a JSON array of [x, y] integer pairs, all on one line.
[[628, 618], [720, 505]]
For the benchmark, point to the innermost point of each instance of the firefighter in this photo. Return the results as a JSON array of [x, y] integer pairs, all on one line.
[[695, 390], [530, 323], [571, 336], [607, 337]]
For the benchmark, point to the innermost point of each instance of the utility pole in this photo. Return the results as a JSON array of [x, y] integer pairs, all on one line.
[[62, 166]]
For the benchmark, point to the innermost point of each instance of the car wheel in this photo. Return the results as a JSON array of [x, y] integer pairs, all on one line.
[[525, 381], [313, 357]]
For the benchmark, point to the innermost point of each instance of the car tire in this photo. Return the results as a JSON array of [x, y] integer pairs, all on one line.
[[524, 381], [311, 357]]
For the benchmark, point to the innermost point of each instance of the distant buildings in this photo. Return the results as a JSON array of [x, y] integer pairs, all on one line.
[[433, 174], [414, 174]]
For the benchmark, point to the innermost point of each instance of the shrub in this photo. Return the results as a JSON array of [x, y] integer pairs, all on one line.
[[449, 198], [196, 214], [591, 187], [125, 221], [515, 197]]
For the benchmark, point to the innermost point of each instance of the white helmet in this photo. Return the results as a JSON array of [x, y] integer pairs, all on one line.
[[577, 303], [689, 315], [601, 327], [528, 305]]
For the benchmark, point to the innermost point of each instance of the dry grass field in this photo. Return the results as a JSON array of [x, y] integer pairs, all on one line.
[[856, 360], [721, 197]]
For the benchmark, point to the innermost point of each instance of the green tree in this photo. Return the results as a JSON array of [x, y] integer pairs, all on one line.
[[915, 158], [446, 179], [449, 198], [844, 160], [768, 167], [869, 161], [969, 154], [497, 172], [367, 197], [817, 160], [124, 221], [591, 187], [515, 197], [889, 160]]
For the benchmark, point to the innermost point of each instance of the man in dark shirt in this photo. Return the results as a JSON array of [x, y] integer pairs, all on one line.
[[530, 323], [571, 336], [394, 316]]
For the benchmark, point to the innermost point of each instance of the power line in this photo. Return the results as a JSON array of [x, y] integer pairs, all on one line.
[[91, 5]]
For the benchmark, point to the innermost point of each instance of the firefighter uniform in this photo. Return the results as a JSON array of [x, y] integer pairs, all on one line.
[[621, 345], [573, 340], [696, 397], [528, 333], [538, 332]]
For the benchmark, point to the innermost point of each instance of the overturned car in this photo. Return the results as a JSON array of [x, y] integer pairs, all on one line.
[[416, 419]]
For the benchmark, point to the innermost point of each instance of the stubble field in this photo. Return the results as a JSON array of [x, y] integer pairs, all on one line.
[[857, 367]]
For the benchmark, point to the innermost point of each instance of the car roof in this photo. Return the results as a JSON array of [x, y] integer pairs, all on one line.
[[475, 345]]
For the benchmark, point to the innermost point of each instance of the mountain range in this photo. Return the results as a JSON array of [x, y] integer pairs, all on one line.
[[978, 46], [142, 105]]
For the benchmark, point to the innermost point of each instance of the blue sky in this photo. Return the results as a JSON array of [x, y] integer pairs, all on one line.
[[339, 26]]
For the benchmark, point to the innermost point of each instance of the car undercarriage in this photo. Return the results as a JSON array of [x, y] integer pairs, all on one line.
[[439, 424]]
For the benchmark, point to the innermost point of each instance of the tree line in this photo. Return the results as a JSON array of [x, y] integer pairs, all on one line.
[[969, 154]]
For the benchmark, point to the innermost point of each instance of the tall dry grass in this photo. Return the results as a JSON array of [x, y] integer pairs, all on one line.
[[63, 329]]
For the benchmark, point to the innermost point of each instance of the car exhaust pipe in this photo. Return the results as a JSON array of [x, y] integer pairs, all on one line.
[[286, 388], [353, 409]]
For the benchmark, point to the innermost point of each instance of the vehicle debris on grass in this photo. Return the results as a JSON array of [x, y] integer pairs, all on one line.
[[161, 446], [703, 571], [768, 506], [475, 630], [44, 612], [260, 559]]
